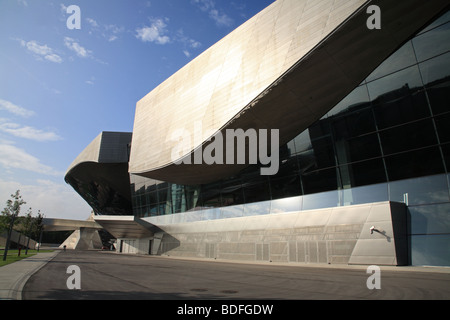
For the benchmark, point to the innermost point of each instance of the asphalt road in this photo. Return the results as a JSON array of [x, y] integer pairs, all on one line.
[[113, 276]]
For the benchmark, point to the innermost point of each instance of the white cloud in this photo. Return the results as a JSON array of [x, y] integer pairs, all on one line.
[[12, 157], [187, 53], [90, 81], [186, 41], [194, 44], [77, 48], [209, 6], [155, 33], [221, 19], [204, 5], [23, 3], [92, 22], [15, 109], [33, 46], [41, 51], [41, 195], [53, 58], [109, 32], [113, 31], [28, 132], [63, 8]]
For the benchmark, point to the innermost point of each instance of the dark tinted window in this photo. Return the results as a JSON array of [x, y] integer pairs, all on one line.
[[432, 43], [436, 77], [414, 164], [410, 136], [404, 106]]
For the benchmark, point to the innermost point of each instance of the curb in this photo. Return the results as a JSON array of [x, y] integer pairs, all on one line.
[[13, 289]]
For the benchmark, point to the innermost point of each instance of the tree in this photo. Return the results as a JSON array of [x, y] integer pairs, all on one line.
[[11, 212], [38, 227]]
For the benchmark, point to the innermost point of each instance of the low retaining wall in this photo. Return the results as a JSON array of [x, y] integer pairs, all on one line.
[[340, 235]]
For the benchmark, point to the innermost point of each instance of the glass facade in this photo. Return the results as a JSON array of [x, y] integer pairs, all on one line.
[[389, 139]]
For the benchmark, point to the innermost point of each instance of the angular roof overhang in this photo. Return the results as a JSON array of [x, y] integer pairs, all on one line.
[[51, 224], [127, 226], [100, 174], [306, 91]]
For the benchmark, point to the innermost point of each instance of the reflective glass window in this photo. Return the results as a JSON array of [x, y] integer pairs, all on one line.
[[417, 163], [284, 152], [443, 127], [257, 208], [402, 58], [152, 210], [430, 250], [358, 98], [307, 161], [152, 197], [365, 194], [357, 148], [163, 185], [446, 152], [232, 197], [322, 156], [231, 192], [441, 20], [354, 122], [410, 136], [162, 195], [319, 181], [405, 106], [436, 77], [287, 167], [321, 200], [303, 142], [193, 216], [286, 186], [431, 189], [286, 205], [162, 208], [291, 147], [259, 191], [211, 214], [231, 211], [363, 173], [390, 87], [144, 200], [432, 43], [210, 195], [428, 219]]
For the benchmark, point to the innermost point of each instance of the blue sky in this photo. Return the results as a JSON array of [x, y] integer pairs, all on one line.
[[60, 87]]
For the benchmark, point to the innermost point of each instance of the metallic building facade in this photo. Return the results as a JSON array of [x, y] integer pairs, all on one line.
[[378, 156]]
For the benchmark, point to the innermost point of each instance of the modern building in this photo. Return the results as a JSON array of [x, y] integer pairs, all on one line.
[[363, 121]]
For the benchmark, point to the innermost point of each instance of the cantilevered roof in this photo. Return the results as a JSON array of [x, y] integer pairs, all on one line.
[[51, 224], [127, 226], [100, 174], [283, 69]]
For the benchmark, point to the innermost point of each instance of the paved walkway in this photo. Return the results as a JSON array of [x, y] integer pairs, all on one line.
[[14, 275], [103, 278], [105, 275]]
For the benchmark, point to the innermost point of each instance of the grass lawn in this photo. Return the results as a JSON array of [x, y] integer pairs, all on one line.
[[13, 255]]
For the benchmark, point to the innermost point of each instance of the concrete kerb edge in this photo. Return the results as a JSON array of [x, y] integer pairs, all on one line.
[[16, 289], [430, 269]]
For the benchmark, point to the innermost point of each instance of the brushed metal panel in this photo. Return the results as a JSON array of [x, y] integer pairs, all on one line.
[[306, 70]]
